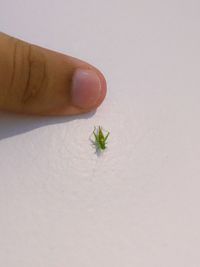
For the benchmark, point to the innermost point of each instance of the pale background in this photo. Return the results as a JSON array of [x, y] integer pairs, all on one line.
[[138, 204]]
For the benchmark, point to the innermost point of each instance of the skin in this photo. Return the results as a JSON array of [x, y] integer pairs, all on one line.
[[38, 81]]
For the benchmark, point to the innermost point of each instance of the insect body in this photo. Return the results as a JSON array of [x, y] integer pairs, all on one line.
[[100, 138]]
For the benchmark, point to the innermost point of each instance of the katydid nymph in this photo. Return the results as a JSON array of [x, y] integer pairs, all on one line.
[[100, 138]]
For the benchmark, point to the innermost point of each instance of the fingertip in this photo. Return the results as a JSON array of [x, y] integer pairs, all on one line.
[[88, 89], [87, 92]]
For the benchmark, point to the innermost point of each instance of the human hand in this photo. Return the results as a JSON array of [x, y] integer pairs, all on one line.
[[35, 80]]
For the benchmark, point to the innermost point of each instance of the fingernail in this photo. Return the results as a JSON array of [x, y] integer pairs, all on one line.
[[86, 88]]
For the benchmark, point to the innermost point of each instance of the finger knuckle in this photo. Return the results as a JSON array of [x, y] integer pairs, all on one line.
[[28, 72]]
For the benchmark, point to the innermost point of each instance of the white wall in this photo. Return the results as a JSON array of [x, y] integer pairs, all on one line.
[[138, 203]]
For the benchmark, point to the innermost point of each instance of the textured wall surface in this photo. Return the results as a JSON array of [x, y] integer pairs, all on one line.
[[138, 203]]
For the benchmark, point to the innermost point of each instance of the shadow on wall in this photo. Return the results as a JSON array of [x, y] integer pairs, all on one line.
[[11, 124]]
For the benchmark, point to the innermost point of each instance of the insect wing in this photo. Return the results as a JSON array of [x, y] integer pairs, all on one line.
[[101, 139]]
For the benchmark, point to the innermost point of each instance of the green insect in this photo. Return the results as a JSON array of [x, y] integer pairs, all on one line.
[[100, 138]]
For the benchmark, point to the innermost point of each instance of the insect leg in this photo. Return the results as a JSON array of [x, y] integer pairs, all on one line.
[[106, 137], [96, 137]]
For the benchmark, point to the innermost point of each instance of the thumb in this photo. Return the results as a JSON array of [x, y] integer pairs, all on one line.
[[34, 80]]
